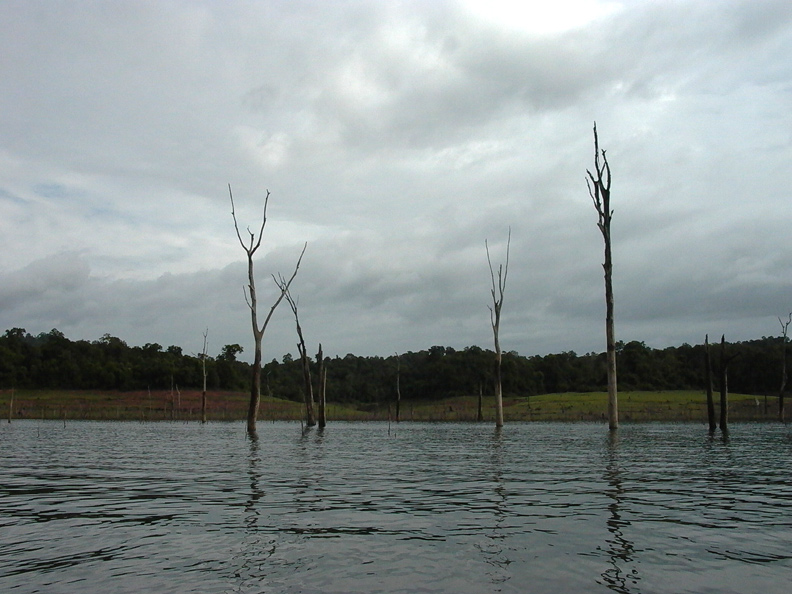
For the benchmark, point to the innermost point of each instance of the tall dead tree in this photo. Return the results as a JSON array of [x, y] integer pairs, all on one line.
[[398, 387], [710, 402], [784, 331], [252, 302], [599, 184], [310, 419], [322, 387], [203, 371], [497, 290]]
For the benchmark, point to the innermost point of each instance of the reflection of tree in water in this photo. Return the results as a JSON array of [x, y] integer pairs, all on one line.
[[270, 552], [619, 548], [494, 549], [257, 545]]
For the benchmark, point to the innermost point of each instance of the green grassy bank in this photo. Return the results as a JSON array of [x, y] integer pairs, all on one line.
[[228, 406]]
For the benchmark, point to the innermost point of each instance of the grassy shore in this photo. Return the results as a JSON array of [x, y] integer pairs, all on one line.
[[228, 406]]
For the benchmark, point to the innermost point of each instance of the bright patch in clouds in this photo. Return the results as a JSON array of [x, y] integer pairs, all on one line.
[[541, 17]]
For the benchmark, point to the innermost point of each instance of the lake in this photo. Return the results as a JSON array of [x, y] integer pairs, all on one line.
[[371, 507]]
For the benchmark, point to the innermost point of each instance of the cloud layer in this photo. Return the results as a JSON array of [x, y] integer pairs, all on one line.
[[395, 138]]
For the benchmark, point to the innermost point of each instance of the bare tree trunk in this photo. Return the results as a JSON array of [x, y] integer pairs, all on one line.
[[250, 298], [724, 386], [710, 403], [11, 406], [782, 389], [255, 390], [398, 387], [310, 419], [498, 385], [322, 373], [203, 371], [495, 317], [599, 190], [172, 401]]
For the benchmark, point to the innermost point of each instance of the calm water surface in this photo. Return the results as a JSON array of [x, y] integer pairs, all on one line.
[[169, 507]]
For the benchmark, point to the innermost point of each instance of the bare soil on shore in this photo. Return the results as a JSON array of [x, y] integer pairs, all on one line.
[[185, 405]]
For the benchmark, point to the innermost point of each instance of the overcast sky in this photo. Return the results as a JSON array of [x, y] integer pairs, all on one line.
[[395, 138]]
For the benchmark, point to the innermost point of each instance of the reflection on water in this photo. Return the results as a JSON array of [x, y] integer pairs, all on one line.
[[256, 547], [493, 549], [622, 575], [126, 507]]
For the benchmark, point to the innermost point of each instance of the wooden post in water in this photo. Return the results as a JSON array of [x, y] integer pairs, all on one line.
[[11, 406]]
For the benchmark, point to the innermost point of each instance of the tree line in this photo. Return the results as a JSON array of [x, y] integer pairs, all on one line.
[[51, 361]]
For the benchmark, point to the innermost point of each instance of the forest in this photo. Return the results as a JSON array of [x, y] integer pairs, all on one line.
[[51, 361]]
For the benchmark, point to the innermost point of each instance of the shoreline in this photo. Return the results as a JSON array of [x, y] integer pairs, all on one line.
[[163, 405]]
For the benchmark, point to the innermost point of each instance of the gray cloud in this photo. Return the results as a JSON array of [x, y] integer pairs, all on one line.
[[395, 138]]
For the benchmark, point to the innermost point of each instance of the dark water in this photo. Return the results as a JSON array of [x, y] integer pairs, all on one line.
[[127, 507]]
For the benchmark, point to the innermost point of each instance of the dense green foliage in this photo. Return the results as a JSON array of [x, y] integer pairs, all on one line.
[[50, 360]]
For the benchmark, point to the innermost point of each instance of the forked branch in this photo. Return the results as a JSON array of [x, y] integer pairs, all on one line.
[[599, 187], [497, 290], [498, 287], [284, 284], [251, 249]]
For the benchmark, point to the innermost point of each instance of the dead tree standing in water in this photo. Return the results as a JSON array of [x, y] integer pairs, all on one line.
[[784, 330], [495, 317], [203, 371], [710, 403], [599, 184], [724, 385], [310, 419], [398, 386], [250, 297], [322, 373]]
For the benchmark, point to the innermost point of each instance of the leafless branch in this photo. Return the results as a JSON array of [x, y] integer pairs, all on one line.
[[252, 248], [497, 290], [785, 325], [599, 186], [283, 285]]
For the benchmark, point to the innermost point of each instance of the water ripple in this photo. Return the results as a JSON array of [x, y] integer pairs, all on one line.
[[170, 507]]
